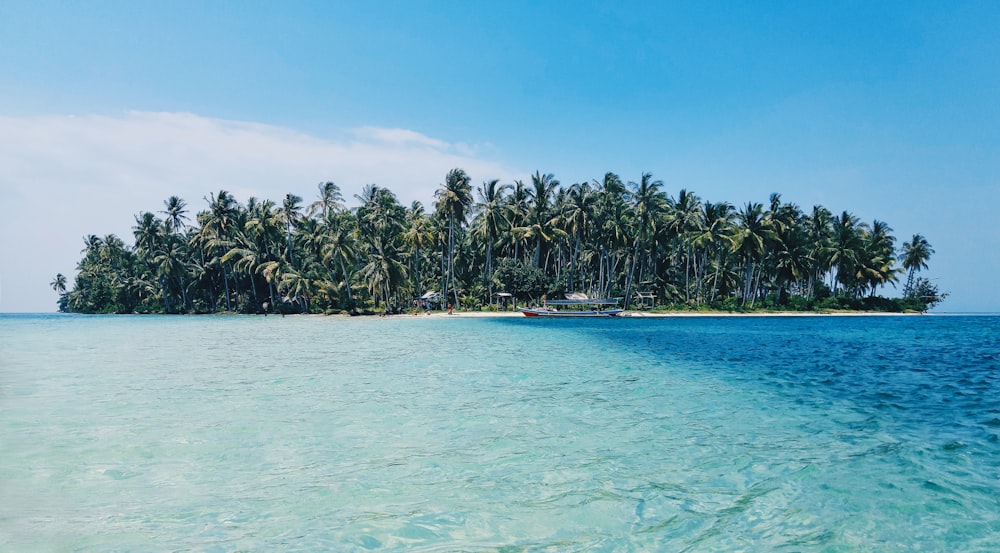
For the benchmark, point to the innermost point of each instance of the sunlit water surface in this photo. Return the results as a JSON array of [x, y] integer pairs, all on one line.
[[437, 434]]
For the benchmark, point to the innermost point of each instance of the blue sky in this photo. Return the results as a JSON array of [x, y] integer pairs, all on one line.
[[888, 110]]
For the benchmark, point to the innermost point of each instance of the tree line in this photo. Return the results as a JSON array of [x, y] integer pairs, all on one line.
[[606, 237]]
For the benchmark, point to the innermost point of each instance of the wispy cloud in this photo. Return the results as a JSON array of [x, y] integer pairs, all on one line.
[[62, 177]]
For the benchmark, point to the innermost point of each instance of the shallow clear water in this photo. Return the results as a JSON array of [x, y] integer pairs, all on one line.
[[436, 434]]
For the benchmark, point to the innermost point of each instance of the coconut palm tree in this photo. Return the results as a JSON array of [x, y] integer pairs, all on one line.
[[751, 236], [516, 208], [685, 223], [647, 204], [148, 232], [611, 228], [490, 220], [381, 222], [58, 283], [175, 214], [846, 245], [298, 287], [291, 210], [879, 256], [579, 216], [418, 235], [715, 238], [384, 272], [541, 223], [453, 200], [149, 239], [172, 269], [819, 233], [915, 254], [218, 225], [329, 198]]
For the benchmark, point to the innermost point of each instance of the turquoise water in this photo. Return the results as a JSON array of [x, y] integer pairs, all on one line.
[[435, 434]]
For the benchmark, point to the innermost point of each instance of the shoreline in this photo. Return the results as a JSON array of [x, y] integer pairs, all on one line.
[[627, 315], [517, 314]]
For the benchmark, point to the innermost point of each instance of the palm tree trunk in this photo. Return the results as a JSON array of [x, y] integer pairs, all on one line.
[[488, 276], [451, 253], [347, 284], [715, 281], [572, 264], [600, 270], [416, 269], [444, 267], [748, 277], [631, 272], [166, 294], [225, 281], [253, 286], [687, 274]]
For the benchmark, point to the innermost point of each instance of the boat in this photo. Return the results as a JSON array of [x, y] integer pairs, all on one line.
[[575, 305]]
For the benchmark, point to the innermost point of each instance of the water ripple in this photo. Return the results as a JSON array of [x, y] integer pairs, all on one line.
[[319, 434]]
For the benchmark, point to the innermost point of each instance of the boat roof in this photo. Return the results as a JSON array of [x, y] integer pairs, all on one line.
[[584, 301]]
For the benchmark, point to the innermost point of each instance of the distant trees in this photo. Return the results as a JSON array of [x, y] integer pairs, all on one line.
[[603, 237]]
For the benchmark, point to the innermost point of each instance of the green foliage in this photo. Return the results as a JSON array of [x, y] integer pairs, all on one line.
[[923, 295], [525, 282], [799, 303], [606, 238]]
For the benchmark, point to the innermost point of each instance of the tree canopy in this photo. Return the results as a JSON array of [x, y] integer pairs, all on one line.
[[606, 237]]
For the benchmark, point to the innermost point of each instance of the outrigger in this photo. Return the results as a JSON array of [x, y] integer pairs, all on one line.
[[584, 307]]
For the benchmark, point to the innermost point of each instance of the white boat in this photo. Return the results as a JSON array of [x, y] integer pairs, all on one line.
[[575, 305]]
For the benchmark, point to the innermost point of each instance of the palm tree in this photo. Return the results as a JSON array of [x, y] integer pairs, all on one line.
[[329, 198], [171, 268], [454, 198], [915, 254], [149, 239], [685, 224], [262, 239], [175, 214], [298, 287], [845, 248], [381, 222], [217, 227], [579, 215], [516, 208], [611, 228], [878, 257], [418, 235], [751, 236], [58, 283], [148, 234], [490, 220], [647, 203], [790, 258], [384, 272], [541, 223], [291, 209], [714, 236], [819, 232]]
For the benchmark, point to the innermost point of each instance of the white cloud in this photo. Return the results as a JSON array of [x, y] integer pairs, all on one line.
[[63, 177]]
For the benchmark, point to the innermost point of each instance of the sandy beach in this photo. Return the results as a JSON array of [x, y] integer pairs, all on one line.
[[674, 314]]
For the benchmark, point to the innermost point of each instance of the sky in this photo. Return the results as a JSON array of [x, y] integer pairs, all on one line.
[[888, 110]]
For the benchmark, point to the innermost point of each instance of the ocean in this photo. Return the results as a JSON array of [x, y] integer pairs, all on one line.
[[249, 433]]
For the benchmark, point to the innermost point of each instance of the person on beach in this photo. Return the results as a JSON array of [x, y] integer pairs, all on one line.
[[449, 309]]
